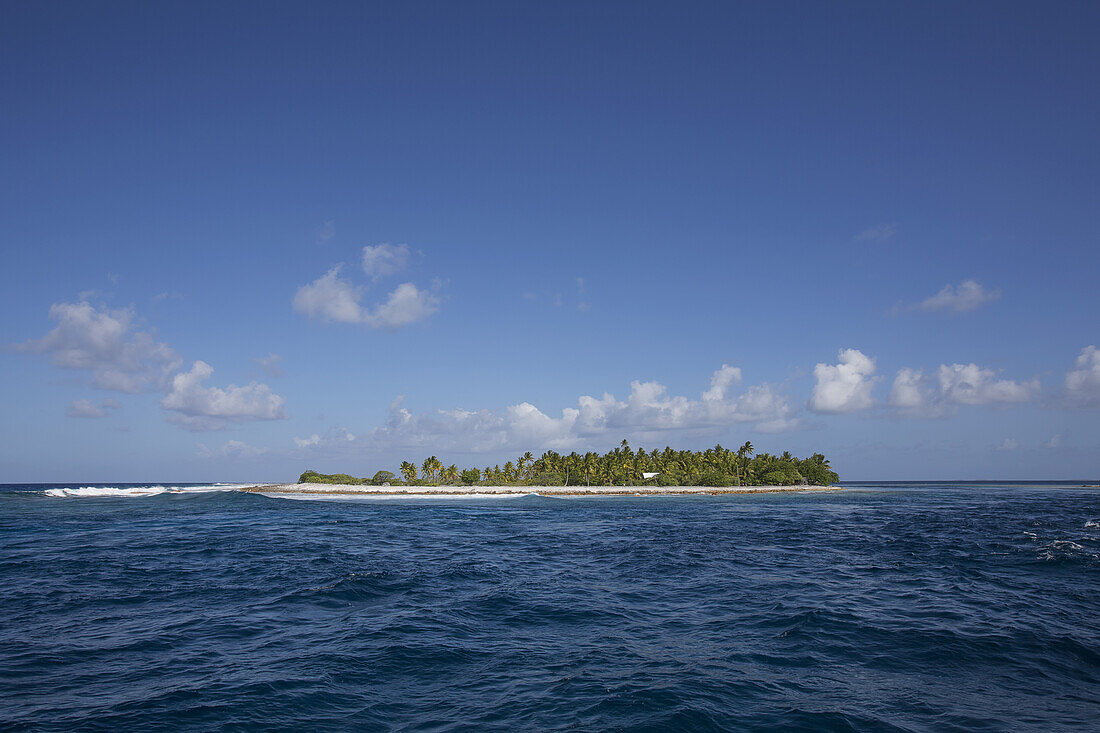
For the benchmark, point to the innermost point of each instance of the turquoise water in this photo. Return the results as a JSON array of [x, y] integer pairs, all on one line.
[[884, 607]]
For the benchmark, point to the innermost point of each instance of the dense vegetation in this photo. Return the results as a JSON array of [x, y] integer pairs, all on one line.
[[623, 466]]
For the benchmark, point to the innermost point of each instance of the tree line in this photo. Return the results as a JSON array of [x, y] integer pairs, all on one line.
[[622, 466]]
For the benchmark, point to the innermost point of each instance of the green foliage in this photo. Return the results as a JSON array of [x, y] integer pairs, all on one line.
[[715, 477], [816, 470], [669, 477], [312, 477], [622, 466]]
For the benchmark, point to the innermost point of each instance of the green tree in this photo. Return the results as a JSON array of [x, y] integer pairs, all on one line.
[[717, 466], [431, 467]]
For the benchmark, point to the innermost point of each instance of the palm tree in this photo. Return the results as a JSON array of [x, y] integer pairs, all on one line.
[[743, 454], [622, 465], [522, 462]]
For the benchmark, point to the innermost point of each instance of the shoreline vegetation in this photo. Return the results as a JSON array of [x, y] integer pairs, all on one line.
[[619, 471]]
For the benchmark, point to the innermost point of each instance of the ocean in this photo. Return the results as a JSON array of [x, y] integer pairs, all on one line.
[[898, 606]]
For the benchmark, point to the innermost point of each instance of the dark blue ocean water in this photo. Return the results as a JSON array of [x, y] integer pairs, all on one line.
[[884, 607]]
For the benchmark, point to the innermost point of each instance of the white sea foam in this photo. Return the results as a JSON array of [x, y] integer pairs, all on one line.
[[1093, 524], [363, 496], [85, 492]]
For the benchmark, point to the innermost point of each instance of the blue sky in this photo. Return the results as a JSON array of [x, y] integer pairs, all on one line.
[[467, 229]]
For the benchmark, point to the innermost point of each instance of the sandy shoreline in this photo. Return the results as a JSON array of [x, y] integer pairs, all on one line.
[[461, 491]]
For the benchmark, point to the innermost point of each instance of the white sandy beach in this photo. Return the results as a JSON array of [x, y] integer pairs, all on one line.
[[502, 491]]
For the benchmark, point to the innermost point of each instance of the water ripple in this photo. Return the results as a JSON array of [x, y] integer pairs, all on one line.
[[885, 608]]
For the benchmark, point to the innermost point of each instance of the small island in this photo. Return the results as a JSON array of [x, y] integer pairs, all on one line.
[[622, 471]]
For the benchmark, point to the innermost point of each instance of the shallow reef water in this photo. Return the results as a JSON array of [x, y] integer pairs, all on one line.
[[899, 606]]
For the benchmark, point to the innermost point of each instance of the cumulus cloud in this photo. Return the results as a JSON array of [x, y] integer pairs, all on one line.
[[845, 386], [970, 384], [915, 394], [647, 412], [405, 305], [907, 392], [107, 343], [952, 385], [332, 298], [1008, 444], [336, 437], [121, 357], [384, 259], [968, 295], [1082, 384], [1054, 442], [89, 409], [721, 381], [206, 408]]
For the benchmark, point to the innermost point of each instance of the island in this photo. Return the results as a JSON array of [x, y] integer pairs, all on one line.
[[622, 471]]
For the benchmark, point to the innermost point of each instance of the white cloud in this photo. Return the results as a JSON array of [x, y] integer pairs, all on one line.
[[335, 438], [1008, 444], [846, 386], [89, 409], [123, 358], [721, 381], [384, 259], [206, 408], [330, 298], [272, 365], [1054, 442], [405, 305], [1082, 385], [908, 389], [969, 384], [106, 343], [968, 295], [647, 413], [231, 449], [326, 232], [916, 395], [879, 234]]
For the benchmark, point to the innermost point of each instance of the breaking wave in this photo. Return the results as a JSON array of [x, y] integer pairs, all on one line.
[[87, 492]]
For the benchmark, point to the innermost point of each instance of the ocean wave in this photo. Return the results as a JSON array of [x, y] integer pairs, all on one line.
[[85, 492], [1064, 550], [879, 611]]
